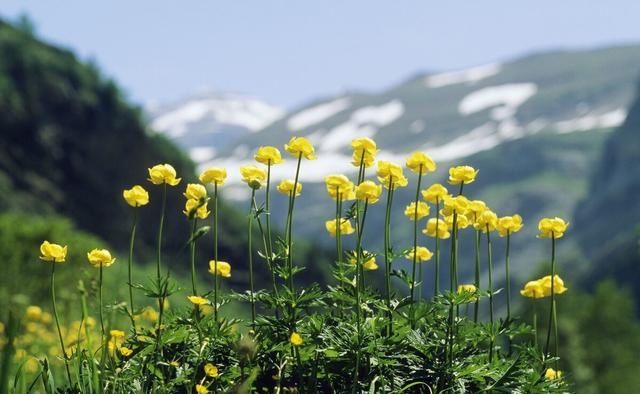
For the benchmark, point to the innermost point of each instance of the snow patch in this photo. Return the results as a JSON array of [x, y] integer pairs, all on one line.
[[470, 75], [201, 154], [364, 122], [510, 96], [417, 126], [592, 121], [247, 112], [314, 115]]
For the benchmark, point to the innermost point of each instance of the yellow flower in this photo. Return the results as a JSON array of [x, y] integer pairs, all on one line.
[[163, 173], [421, 254], [197, 300], [200, 389], [223, 268], [552, 374], [345, 227], [487, 221], [295, 339], [195, 191], [211, 370], [457, 204], [391, 174], [462, 174], [33, 313], [420, 162], [125, 351], [370, 264], [509, 225], [364, 151], [214, 175], [53, 252], [552, 227], [136, 196], [410, 210], [475, 209], [150, 314], [462, 222], [368, 191], [268, 155], [100, 257], [286, 187], [117, 334], [558, 285], [533, 289], [471, 289], [300, 146], [467, 288], [200, 208], [338, 183], [435, 193], [442, 229], [254, 176]]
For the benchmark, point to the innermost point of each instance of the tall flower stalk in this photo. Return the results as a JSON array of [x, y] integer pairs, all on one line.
[[552, 228], [216, 257], [217, 177], [421, 164], [490, 265], [387, 256], [476, 305], [391, 176], [250, 251], [54, 254], [269, 156], [161, 174], [508, 225], [415, 247], [136, 197], [101, 258]]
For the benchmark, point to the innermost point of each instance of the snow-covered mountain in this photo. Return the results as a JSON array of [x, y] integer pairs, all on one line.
[[208, 123], [451, 115]]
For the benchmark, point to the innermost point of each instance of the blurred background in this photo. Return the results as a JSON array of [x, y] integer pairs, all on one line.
[[541, 96]]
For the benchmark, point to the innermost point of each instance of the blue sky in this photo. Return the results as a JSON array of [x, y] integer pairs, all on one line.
[[289, 52]]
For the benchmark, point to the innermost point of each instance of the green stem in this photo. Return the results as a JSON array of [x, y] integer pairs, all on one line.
[[216, 282], [436, 284], [415, 246], [103, 336], [55, 315], [359, 257], [158, 274], [489, 257], [477, 279], [553, 298], [359, 230], [250, 247], [338, 225], [535, 324], [160, 228], [269, 245], [193, 258], [507, 276], [292, 200], [265, 245], [131, 242], [387, 257]]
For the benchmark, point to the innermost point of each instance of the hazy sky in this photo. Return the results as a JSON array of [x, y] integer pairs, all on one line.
[[288, 52]]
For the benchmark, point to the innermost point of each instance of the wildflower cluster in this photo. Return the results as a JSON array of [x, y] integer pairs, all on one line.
[[348, 337]]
